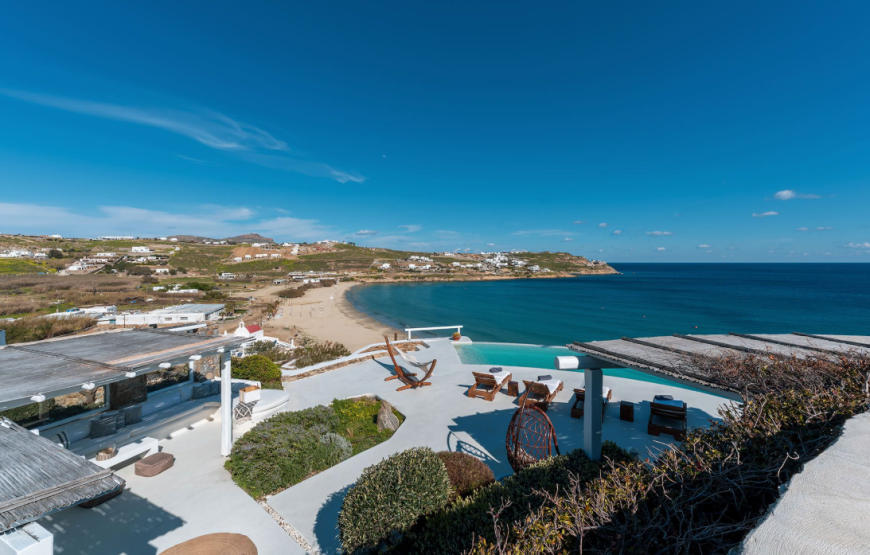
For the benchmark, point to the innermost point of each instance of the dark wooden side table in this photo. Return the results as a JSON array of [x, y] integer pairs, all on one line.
[[626, 411], [514, 388]]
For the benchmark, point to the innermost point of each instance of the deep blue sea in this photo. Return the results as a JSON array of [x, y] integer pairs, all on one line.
[[646, 300]]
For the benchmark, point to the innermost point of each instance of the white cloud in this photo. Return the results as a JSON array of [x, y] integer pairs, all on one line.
[[208, 221], [363, 232], [788, 194], [617, 232], [765, 214], [490, 244], [410, 228], [661, 249], [803, 229], [204, 126], [579, 221], [543, 232], [703, 246], [820, 228], [602, 224], [864, 245], [659, 233], [567, 239]]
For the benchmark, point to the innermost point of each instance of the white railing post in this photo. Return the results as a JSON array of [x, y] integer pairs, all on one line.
[[409, 335]]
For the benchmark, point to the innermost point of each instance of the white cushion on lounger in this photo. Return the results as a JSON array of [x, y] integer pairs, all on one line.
[[499, 377], [552, 385]]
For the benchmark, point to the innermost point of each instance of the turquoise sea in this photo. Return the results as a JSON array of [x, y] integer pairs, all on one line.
[[646, 300]]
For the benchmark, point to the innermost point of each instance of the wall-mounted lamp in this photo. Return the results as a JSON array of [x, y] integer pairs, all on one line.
[[220, 349], [165, 365], [38, 398], [130, 374], [195, 357], [89, 386]]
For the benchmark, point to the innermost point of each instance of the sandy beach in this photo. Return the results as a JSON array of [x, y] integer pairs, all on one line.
[[324, 314]]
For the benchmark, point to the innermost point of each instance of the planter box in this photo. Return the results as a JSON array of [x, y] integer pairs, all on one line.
[[249, 394]]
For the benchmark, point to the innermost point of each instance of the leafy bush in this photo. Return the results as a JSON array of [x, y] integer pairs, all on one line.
[[467, 473], [314, 353], [267, 349], [284, 450], [359, 422], [257, 368], [391, 496], [294, 292], [704, 495], [139, 271], [198, 285], [456, 528], [340, 443]]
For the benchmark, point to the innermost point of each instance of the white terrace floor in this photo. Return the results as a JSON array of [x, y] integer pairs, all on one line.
[[198, 497]]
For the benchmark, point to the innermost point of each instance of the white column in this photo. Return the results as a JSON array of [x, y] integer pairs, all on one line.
[[226, 408], [592, 413], [191, 366]]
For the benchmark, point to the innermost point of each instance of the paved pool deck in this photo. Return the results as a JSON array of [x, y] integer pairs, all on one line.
[[442, 417]]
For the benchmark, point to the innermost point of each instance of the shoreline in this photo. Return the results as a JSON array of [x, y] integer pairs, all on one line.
[[326, 314]]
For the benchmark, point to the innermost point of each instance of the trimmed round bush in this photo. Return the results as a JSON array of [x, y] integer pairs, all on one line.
[[257, 368], [391, 496], [467, 473]]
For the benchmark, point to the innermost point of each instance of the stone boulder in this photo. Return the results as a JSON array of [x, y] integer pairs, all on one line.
[[386, 419]]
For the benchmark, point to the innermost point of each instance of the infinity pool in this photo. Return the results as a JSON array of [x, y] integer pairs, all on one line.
[[539, 356]]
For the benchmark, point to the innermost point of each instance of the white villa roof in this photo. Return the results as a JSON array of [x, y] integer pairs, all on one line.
[[190, 309]]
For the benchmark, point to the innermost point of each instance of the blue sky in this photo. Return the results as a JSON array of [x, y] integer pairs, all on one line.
[[665, 131]]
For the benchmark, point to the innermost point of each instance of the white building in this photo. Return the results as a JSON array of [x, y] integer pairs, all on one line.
[[162, 271], [173, 239], [237, 259], [253, 331], [105, 254], [384, 266], [116, 238], [183, 313], [274, 256], [227, 275], [261, 255], [140, 249]]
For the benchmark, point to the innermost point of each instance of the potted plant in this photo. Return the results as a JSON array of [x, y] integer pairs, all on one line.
[[456, 336]]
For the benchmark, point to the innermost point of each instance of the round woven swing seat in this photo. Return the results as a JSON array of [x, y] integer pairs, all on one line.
[[530, 437], [215, 544]]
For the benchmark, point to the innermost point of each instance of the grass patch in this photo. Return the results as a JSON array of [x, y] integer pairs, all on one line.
[[23, 266], [293, 446]]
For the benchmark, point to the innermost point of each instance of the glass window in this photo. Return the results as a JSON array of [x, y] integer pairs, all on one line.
[[58, 408]]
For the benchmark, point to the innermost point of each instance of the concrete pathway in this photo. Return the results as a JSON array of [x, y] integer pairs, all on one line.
[[442, 417]]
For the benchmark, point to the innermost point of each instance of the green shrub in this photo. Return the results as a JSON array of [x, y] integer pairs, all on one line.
[[359, 422], [36, 328], [391, 496], [314, 353], [284, 450], [256, 367], [455, 529], [467, 473], [342, 444]]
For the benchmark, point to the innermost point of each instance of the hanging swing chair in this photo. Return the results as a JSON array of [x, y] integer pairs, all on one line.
[[530, 437]]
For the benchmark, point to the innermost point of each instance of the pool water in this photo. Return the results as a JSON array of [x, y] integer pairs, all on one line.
[[543, 357]]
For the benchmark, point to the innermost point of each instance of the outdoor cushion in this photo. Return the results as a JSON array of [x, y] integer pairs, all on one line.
[[152, 465], [215, 544], [214, 387], [501, 375], [496, 370], [132, 414], [551, 384], [669, 402], [103, 426], [200, 390]]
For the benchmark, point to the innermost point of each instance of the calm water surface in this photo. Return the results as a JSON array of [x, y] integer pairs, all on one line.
[[646, 300]]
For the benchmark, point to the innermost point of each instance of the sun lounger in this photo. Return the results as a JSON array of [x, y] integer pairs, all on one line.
[[667, 417], [487, 384], [541, 392], [409, 378], [580, 398]]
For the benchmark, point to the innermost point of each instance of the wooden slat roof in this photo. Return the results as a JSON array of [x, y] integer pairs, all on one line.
[[679, 356], [44, 367], [38, 477]]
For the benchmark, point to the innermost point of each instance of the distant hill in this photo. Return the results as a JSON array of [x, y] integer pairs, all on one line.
[[249, 238], [246, 238]]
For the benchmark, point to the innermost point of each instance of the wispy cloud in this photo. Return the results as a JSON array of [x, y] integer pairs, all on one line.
[[788, 194], [659, 233], [704, 246], [208, 221], [567, 239], [410, 228], [490, 244], [364, 232], [579, 222], [820, 228], [765, 214], [602, 224], [617, 232], [864, 245], [661, 249], [207, 127]]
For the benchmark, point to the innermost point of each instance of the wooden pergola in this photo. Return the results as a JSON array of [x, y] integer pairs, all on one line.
[[679, 358]]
